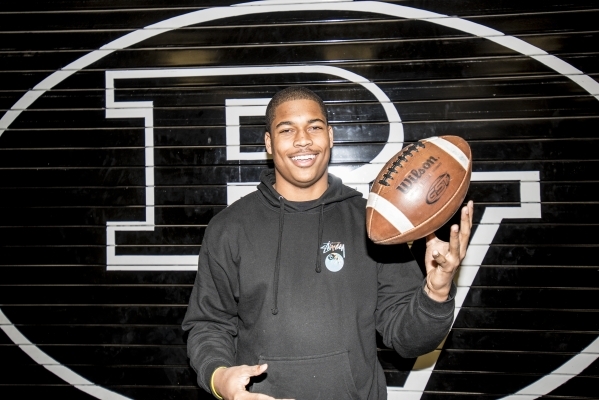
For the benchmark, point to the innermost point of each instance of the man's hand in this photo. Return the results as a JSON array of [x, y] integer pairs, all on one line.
[[230, 382], [442, 259]]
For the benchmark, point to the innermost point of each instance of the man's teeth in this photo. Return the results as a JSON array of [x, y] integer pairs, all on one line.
[[304, 157]]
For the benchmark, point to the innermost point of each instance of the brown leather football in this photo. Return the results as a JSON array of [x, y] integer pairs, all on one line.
[[418, 190]]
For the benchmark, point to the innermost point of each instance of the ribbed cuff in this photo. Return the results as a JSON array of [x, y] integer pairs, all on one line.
[[438, 309]]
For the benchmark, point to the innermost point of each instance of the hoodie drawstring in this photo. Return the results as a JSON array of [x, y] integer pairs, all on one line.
[[275, 283], [320, 229]]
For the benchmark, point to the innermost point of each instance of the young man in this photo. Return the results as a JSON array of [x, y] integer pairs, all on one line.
[[290, 292]]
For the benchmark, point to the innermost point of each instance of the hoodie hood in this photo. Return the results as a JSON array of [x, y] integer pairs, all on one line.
[[336, 192]]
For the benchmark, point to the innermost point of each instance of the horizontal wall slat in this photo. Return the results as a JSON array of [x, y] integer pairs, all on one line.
[[93, 294], [567, 149], [503, 340], [97, 315], [88, 274], [499, 384], [488, 276], [476, 318], [97, 335], [188, 234]]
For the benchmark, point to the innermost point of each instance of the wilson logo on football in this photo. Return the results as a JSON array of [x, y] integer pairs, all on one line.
[[438, 188], [415, 175]]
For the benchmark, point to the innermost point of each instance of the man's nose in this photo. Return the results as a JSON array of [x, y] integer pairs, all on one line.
[[302, 138]]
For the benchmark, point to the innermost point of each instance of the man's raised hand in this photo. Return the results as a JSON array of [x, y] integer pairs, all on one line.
[[442, 259]]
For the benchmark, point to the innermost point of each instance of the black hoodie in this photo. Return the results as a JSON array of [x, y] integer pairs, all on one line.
[[299, 286]]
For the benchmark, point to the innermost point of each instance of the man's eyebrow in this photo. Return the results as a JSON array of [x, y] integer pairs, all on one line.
[[283, 123], [291, 123]]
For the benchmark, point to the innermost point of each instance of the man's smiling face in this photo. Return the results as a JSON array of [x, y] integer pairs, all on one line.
[[300, 141]]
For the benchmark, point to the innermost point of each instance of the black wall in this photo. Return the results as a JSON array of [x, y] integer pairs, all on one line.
[[83, 315]]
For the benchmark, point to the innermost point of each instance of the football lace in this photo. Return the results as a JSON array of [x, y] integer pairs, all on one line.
[[401, 157]]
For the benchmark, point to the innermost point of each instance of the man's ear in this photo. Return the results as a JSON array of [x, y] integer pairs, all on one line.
[[330, 128], [268, 143]]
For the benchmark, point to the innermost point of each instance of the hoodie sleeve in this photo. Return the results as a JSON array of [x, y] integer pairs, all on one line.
[[211, 317], [407, 319]]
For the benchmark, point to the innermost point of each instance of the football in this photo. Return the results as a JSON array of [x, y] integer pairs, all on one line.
[[418, 190]]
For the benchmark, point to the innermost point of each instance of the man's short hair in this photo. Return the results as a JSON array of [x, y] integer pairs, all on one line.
[[290, 94]]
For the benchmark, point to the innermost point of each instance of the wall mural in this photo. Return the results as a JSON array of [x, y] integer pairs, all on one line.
[[125, 128]]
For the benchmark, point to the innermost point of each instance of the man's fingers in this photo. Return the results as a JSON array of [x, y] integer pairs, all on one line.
[[471, 211], [254, 370], [465, 228], [260, 369], [439, 258], [258, 396], [248, 371], [454, 241], [231, 382], [255, 396], [466, 219]]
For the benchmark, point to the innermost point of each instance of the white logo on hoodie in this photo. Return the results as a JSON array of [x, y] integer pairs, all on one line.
[[334, 261]]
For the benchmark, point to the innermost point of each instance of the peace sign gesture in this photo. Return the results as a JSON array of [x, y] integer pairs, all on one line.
[[442, 259]]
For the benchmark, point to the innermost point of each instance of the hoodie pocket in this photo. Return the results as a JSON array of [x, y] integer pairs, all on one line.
[[319, 377]]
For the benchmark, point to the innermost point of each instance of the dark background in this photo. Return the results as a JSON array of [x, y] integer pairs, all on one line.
[[65, 169]]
